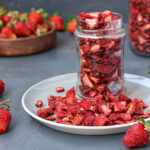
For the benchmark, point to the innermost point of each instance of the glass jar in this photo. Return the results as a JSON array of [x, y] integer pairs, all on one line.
[[139, 26], [100, 57]]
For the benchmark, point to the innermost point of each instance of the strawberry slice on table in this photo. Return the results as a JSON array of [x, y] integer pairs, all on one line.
[[58, 21], [137, 135], [21, 29]]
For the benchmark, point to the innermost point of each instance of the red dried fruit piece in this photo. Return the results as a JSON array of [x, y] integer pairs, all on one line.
[[119, 122], [131, 108], [86, 81], [95, 48], [107, 15], [125, 117], [114, 116], [100, 120], [88, 121], [95, 80], [139, 101], [50, 118], [39, 103], [77, 119], [141, 116], [71, 96], [84, 49], [147, 113], [105, 109], [123, 97], [110, 123], [131, 121], [60, 89], [44, 112], [91, 23], [85, 103], [92, 93]]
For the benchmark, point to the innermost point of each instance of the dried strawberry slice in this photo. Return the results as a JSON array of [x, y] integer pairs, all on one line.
[[105, 109], [88, 121], [71, 96], [91, 23], [77, 119], [125, 116], [86, 81], [100, 120], [131, 108], [95, 48]]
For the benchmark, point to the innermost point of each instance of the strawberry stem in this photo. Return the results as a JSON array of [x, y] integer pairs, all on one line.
[[4, 101]]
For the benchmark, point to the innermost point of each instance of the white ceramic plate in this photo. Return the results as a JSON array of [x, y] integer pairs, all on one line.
[[136, 86]]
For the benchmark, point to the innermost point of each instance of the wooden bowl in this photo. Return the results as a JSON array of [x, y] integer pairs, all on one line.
[[28, 45]]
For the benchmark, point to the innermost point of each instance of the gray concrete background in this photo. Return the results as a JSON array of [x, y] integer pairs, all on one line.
[[19, 73], [68, 7]]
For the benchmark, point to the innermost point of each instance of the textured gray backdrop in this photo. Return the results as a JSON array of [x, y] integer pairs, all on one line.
[[68, 7]]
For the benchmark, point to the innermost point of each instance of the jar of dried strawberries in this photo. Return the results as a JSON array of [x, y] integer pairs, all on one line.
[[139, 26], [100, 40]]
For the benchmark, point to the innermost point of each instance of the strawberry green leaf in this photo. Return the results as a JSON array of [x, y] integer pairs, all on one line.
[[56, 14]]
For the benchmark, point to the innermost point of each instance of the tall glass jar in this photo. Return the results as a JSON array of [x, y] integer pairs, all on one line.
[[139, 26], [100, 57]]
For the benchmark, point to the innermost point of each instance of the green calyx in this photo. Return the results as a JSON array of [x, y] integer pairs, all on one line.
[[4, 103], [146, 124], [24, 17], [40, 31], [1, 24], [3, 11], [69, 21]]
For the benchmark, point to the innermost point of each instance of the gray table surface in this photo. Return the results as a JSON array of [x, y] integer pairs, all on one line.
[[19, 73]]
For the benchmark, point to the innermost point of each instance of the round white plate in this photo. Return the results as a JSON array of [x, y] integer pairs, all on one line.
[[136, 86]]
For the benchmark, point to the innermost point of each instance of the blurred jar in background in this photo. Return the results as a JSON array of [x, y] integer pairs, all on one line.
[[139, 26]]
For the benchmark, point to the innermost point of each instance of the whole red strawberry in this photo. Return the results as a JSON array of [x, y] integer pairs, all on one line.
[[6, 19], [1, 86], [5, 118], [8, 33], [35, 17], [31, 27], [71, 27], [21, 29], [137, 135], [58, 21]]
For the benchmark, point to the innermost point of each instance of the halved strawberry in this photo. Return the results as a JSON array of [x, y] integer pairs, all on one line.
[[86, 81]]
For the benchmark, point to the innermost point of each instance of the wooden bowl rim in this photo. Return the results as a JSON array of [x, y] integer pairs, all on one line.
[[29, 38]]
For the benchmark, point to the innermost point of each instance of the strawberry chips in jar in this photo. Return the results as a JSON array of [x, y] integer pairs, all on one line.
[[100, 40], [139, 26]]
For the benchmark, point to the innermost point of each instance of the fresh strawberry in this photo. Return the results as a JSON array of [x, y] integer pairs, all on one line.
[[41, 29], [1, 86], [6, 19], [1, 24], [137, 135], [5, 117], [35, 17], [8, 32], [71, 27], [58, 21], [21, 29], [31, 27]]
